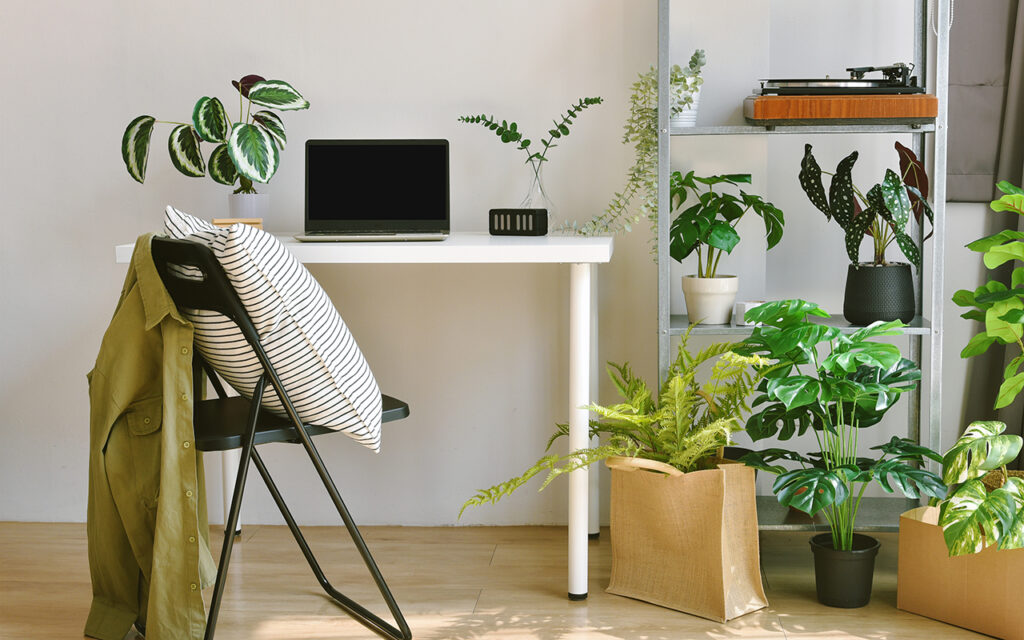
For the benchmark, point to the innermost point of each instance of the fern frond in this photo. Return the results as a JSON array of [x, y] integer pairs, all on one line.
[[499, 491]]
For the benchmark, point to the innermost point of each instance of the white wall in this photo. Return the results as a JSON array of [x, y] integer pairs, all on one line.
[[479, 353]]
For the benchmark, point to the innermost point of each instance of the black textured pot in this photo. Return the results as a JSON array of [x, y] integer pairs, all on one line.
[[878, 293], [843, 578]]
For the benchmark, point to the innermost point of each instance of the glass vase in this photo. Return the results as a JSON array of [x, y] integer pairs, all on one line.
[[537, 197]]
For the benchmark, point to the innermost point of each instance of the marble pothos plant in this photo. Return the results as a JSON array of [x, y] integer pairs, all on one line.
[[246, 151]]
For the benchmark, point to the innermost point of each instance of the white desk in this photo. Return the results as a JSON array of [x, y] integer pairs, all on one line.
[[583, 255]]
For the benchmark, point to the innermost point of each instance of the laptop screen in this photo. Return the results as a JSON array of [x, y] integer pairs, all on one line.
[[377, 186]]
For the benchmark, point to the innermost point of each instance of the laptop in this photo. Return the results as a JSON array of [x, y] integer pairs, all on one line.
[[376, 190]]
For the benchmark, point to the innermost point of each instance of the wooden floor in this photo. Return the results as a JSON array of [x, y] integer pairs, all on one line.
[[452, 584]]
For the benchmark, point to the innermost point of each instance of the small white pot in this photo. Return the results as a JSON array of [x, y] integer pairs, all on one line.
[[248, 205], [710, 300], [688, 116]]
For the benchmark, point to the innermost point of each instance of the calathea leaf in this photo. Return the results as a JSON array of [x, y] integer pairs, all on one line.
[[810, 181], [246, 83], [183, 146], [222, 169], [274, 126], [135, 146], [253, 151], [979, 450], [841, 197], [278, 94], [210, 120], [811, 490]]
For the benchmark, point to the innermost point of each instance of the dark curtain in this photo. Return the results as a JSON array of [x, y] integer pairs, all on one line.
[[972, 159]]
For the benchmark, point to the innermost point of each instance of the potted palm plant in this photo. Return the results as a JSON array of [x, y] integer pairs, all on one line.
[[876, 289], [833, 385], [708, 228], [246, 151], [663, 451]]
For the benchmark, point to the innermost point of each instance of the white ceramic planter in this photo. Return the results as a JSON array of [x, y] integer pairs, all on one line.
[[248, 205], [688, 116], [710, 300]]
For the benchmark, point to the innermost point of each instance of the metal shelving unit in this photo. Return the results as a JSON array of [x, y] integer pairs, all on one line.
[[878, 514]]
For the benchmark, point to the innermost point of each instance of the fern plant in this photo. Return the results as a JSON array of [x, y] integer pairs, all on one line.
[[687, 422]]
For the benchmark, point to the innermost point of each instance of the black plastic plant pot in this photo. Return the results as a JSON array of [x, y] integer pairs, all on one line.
[[878, 292], [844, 578]]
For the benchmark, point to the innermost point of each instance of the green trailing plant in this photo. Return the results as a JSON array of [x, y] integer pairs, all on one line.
[[832, 385], [641, 130], [708, 227], [686, 422], [971, 517], [882, 212], [246, 150], [1001, 308], [509, 132]]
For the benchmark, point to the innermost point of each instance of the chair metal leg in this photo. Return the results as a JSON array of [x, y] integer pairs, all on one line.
[[354, 609], [248, 449]]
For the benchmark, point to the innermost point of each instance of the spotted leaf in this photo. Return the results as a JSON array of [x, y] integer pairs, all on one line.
[[810, 181], [840, 192], [135, 146], [253, 151], [210, 120], [183, 146]]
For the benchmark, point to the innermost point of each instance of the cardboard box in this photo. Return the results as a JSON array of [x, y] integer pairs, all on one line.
[[980, 592]]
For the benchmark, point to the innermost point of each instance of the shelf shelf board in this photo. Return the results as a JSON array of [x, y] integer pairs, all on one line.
[[875, 514], [754, 129], [678, 324]]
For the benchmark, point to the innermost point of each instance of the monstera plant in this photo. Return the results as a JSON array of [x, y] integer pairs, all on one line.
[[247, 149], [876, 289]]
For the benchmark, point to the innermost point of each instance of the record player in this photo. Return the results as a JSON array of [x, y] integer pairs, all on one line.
[[894, 98]]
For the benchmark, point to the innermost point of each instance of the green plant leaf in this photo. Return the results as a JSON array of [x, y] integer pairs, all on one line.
[[896, 199], [907, 449], [977, 345], [253, 151], [999, 254], [916, 180], [972, 519], [273, 125], [135, 146], [1006, 187], [1009, 202], [1009, 390], [979, 450], [722, 236], [763, 459], [210, 120], [730, 178], [984, 244], [810, 182], [775, 420], [277, 94], [963, 298], [774, 220], [841, 196], [222, 169], [811, 490], [998, 296], [784, 313], [794, 391], [183, 145], [909, 480], [998, 328]]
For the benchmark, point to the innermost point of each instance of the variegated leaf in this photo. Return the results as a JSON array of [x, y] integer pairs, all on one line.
[[253, 151], [183, 146], [222, 169], [972, 519], [982, 448], [277, 94], [210, 120], [896, 200], [273, 124], [135, 146]]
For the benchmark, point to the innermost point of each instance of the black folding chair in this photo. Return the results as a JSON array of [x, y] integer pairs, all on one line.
[[231, 422]]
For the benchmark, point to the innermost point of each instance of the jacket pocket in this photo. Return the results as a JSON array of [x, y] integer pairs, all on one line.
[[144, 416]]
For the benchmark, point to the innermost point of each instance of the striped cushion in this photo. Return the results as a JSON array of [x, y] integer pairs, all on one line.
[[309, 345]]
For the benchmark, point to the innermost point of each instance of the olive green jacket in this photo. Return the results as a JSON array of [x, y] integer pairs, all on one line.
[[149, 552]]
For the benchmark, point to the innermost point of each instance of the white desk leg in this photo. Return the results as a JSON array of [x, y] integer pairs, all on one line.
[[594, 512], [228, 474], [579, 389]]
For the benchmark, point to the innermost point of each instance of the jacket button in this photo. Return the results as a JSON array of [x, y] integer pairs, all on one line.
[[184, 351], [188, 494], [192, 586], [186, 444], [146, 420], [184, 396], [191, 538]]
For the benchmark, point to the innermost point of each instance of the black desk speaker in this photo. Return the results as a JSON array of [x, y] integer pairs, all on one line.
[[518, 222]]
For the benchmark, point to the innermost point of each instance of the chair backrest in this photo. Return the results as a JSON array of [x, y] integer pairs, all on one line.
[[205, 286]]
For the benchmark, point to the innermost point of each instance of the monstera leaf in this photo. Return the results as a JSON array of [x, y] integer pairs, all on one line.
[[972, 518], [982, 448], [912, 481], [811, 490]]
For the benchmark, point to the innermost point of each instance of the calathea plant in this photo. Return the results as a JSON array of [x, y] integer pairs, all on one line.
[[971, 517], [246, 150], [831, 385], [882, 212], [687, 421], [1001, 308], [708, 227]]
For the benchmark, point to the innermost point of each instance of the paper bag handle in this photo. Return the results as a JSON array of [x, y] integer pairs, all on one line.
[[623, 463]]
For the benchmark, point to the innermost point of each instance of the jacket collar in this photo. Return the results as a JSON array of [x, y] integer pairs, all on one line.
[[156, 302]]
